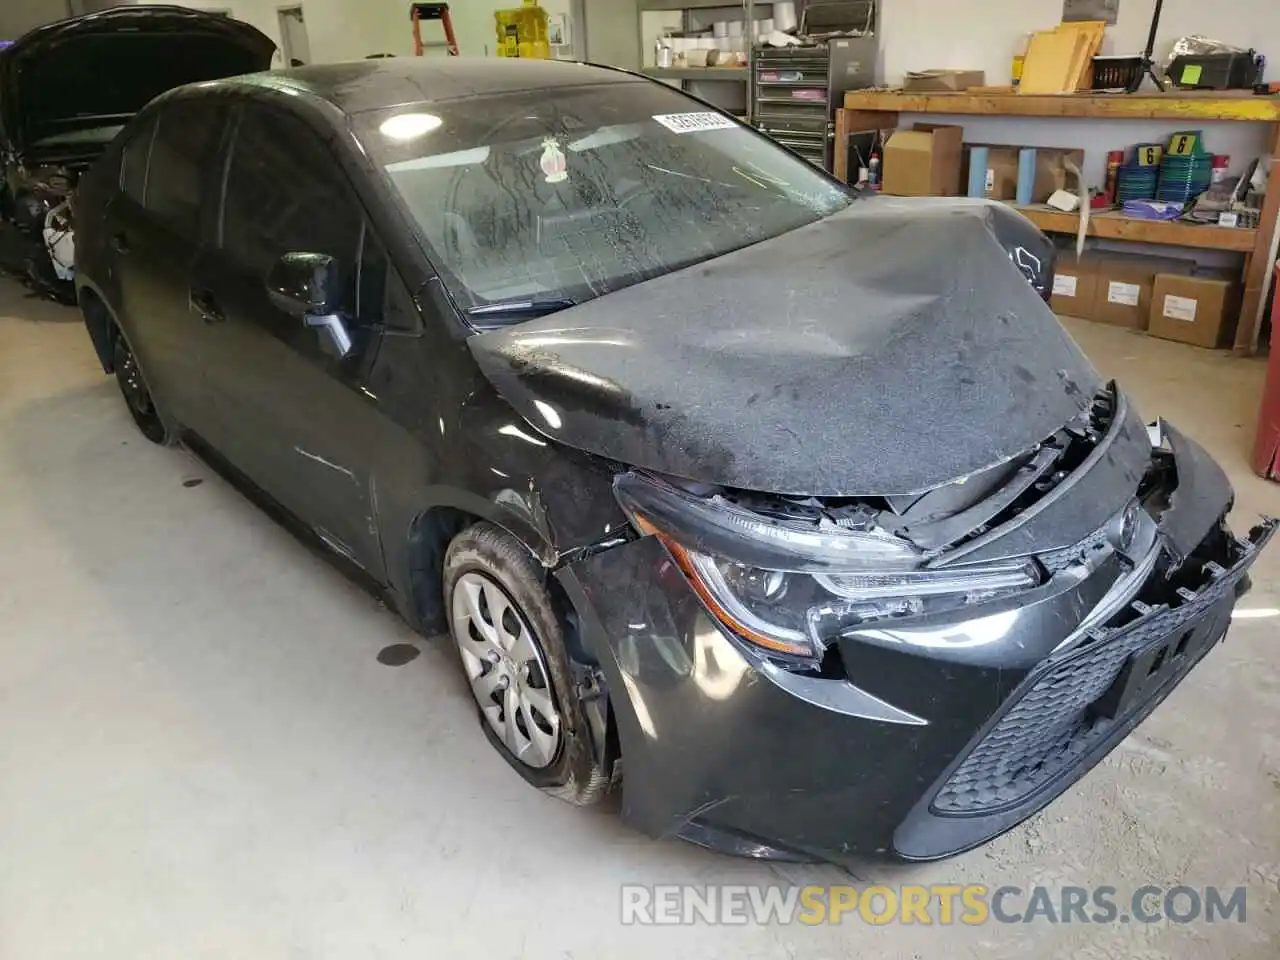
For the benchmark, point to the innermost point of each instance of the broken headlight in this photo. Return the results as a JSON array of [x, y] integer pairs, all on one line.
[[785, 584]]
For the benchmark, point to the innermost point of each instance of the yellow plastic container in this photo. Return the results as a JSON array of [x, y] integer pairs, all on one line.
[[522, 32]]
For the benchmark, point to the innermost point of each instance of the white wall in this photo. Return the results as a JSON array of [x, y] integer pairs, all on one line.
[[918, 34], [354, 29], [388, 27], [19, 16], [612, 33]]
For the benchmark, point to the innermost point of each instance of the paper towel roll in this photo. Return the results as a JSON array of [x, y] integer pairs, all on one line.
[[784, 16]]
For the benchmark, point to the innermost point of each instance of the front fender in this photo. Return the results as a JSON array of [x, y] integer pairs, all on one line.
[[714, 742]]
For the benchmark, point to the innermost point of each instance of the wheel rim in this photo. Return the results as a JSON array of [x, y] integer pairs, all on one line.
[[135, 392], [507, 670]]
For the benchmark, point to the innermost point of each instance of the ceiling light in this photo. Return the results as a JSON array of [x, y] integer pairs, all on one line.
[[407, 126]]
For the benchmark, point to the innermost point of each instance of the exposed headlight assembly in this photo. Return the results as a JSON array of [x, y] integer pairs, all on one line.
[[783, 585]]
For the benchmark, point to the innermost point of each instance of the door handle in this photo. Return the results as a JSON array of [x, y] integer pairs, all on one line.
[[203, 303], [120, 242]]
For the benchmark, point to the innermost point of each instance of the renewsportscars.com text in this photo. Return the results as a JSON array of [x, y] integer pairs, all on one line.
[[935, 904]]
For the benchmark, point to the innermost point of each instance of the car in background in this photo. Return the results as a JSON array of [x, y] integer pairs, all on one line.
[[794, 510], [66, 90]]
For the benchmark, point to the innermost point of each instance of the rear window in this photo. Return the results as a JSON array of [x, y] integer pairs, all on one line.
[[572, 193]]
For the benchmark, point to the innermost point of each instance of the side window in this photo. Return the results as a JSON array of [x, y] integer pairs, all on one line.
[[286, 193], [399, 312], [383, 297], [182, 158], [137, 154]]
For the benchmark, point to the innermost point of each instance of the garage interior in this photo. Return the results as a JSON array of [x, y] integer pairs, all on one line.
[[216, 745]]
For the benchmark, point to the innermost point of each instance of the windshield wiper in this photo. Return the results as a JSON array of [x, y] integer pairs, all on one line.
[[523, 309]]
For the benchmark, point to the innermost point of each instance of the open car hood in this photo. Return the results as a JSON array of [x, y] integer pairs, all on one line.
[[100, 69], [888, 349]]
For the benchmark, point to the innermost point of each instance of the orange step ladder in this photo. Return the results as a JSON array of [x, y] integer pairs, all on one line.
[[432, 11]]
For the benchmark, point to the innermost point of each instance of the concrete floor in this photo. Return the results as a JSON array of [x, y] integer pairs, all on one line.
[[200, 755]]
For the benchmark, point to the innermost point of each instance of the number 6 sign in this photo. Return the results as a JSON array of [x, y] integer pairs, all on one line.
[[1150, 154], [1185, 144]]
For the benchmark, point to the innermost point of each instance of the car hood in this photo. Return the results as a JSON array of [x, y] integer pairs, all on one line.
[[100, 69], [888, 349]]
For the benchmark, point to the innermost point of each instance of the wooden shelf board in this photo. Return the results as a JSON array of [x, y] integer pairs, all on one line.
[[1172, 106], [1115, 226]]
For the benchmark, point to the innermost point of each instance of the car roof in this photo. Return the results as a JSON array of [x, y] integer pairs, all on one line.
[[371, 84]]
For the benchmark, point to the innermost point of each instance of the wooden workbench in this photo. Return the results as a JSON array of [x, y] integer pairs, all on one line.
[[880, 109]]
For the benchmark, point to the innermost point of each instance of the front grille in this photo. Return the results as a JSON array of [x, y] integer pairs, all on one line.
[[1050, 728], [1055, 561]]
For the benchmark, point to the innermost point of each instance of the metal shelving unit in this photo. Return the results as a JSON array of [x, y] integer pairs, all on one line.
[[697, 75], [796, 91]]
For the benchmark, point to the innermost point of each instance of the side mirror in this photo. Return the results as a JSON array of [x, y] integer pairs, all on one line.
[[308, 286], [304, 284]]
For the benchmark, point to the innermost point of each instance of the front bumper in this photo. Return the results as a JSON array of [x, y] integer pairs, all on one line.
[[926, 739]]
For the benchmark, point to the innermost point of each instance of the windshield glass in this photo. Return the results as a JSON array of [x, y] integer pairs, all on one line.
[[567, 194]]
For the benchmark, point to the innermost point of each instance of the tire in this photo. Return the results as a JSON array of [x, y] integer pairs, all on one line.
[[137, 397], [486, 568]]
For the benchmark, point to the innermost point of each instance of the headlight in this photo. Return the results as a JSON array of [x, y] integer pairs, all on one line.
[[784, 585]]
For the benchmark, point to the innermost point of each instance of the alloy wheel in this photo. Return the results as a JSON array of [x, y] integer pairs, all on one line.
[[507, 670]]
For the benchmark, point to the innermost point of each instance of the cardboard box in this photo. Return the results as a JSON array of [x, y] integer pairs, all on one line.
[[1075, 285], [1052, 173], [924, 161], [1124, 287], [1000, 176], [1201, 309], [942, 81]]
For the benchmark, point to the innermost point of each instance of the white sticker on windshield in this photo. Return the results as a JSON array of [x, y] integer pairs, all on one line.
[[694, 122]]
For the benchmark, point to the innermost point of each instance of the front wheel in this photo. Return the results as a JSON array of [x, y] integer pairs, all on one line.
[[136, 395], [511, 645]]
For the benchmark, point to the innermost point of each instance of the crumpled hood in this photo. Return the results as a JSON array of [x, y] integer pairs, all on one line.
[[888, 349], [99, 69]]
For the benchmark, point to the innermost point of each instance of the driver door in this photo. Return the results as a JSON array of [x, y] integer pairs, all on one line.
[[294, 416]]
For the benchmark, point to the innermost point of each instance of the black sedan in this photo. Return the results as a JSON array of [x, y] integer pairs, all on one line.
[[794, 511]]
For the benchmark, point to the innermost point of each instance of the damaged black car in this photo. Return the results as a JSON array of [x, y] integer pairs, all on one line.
[[67, 89], [792, 514]]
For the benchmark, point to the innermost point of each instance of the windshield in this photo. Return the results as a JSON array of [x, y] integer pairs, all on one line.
[[562, 195]]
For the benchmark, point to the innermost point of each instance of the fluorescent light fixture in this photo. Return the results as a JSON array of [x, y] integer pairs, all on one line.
[[408, 126]]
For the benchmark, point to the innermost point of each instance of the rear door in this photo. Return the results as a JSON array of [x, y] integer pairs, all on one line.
[[155, 227], [300, 421]]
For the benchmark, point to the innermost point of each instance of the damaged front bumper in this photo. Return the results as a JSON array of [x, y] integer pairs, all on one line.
[[920, 738]]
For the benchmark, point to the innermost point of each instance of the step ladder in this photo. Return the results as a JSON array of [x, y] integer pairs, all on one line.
[[432, 11]]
